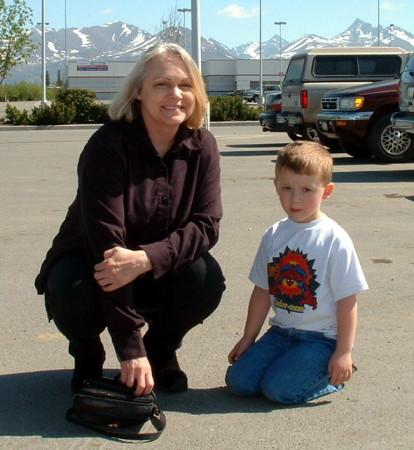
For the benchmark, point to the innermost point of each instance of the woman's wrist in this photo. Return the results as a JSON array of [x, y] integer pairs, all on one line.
[[146, 262]]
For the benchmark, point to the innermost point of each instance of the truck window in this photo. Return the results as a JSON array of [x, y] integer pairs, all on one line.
[[335, 65], [294, 71], [379, 65]]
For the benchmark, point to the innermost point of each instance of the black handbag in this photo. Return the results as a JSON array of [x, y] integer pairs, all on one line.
[[109, 407]]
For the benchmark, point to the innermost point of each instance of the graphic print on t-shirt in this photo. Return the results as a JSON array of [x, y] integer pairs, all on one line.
[[292, 281]]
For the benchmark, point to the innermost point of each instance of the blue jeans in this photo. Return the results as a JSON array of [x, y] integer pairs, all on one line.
[[286, 365]]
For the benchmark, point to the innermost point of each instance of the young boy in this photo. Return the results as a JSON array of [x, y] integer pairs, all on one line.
[[307, 270]]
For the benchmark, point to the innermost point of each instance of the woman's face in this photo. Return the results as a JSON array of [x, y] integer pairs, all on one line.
[[167, 98]]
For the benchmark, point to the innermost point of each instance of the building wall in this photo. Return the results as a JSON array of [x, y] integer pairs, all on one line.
[[220, 76]]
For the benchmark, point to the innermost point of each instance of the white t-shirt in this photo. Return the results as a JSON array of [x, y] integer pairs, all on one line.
[[307, 268]]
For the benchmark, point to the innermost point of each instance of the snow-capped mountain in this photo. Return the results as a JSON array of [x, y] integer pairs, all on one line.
[[120, 41]]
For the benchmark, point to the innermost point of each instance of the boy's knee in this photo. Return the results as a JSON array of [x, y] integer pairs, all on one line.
[[280, 394], [238, 383]]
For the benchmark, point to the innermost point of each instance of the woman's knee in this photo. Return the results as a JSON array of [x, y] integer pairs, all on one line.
[[205, 277], [199, 289]]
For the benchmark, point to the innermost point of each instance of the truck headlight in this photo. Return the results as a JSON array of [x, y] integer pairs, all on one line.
[[351, 102]]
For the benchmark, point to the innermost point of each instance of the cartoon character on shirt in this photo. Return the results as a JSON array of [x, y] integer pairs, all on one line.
[[292, 281]]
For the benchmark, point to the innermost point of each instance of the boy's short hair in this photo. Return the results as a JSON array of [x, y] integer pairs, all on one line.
[[306, 158]]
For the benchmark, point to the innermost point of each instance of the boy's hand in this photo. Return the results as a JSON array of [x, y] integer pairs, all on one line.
[[340, 367], [241, 347]]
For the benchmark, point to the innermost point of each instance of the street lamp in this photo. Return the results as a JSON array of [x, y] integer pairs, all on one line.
[[260, 55], [184, 10], [66, 39], [280, 48], [379, 37], [43, 101]]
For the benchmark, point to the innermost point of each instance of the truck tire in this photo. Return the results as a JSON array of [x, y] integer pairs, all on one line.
[[388, 145]]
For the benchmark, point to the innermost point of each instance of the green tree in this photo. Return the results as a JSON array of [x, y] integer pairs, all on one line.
[[59, 81], [47, 78], [16, 45]]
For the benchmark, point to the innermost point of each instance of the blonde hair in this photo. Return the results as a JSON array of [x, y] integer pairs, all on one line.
[[126, 106], [307, 158]]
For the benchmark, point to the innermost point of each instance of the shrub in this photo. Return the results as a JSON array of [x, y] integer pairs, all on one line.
[[83, 101], [99, 113], [16, 117], [53, 114], [22, 91], [232, 108]]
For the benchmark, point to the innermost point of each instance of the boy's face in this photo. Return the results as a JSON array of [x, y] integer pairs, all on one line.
[[301, 195]]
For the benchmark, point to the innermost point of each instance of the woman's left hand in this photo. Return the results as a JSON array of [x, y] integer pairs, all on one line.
[[119, 267]]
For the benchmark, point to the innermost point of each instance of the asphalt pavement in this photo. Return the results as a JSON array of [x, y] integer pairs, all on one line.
[[373, 202]]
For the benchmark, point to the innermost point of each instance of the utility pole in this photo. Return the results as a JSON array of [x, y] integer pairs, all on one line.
[[280, 48], [195, 32], [43, 100]]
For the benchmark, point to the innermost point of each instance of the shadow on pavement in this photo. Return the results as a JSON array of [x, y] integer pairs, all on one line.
[[34, 404], [220, 400], [374, 176]]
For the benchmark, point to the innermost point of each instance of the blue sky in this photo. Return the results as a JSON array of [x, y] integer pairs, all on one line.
[[231, 22]]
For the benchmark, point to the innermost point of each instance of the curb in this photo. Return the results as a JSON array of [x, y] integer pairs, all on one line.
[[94, 126]]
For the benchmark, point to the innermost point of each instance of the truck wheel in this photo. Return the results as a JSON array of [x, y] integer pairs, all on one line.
[[388, 145], [310, 133]]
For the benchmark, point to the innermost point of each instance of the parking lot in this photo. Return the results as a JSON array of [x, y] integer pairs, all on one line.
[[373, 202]]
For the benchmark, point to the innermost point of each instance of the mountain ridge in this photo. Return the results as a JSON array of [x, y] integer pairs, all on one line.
[[126, 42]]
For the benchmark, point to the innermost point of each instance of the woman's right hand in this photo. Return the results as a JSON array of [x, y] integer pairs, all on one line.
[[137, 372], [120, 266]]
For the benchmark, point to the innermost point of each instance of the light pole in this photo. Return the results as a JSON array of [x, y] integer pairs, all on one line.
[[379, 37], [44, 100], [260, 55], [184, 10], [66, 42], [280, 48], [195, 32]]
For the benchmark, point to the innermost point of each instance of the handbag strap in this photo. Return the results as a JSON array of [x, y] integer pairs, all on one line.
[[157, 419]]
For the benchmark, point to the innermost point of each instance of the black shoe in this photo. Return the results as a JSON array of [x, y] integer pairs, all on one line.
[[168, 377], [171, 381]]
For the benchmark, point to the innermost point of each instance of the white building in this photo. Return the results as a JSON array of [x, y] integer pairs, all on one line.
[[220, 76]]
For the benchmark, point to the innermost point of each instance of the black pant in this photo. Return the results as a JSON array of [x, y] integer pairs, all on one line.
[[172, 305]]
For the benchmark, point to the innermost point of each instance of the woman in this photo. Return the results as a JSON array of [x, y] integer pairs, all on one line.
[[134, 245]]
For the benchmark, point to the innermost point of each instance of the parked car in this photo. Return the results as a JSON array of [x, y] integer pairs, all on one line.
[[252, 95], [271, 108], [404, 119], [312, 74], [237, 93], [360, 117]]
